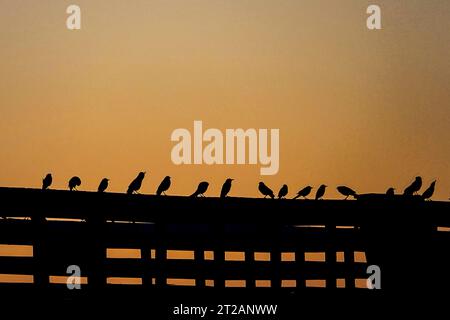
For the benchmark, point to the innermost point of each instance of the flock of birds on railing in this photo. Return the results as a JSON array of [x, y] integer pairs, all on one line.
[[202, 187]]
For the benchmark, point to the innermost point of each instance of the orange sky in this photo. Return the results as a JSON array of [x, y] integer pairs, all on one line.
[[369, 109]]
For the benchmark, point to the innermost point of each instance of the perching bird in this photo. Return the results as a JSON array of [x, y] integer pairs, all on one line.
[[346, 191], [163, 186], [413, 187], [283, 191], [320, 192], [265, 190], [201, 189], [103, 185], [226, 187], [136, 184], [390, 192], [47, 181], [304, 192], [74, 182], [430, 191]]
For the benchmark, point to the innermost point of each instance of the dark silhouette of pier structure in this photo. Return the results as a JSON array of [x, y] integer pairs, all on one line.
[[404, 236]]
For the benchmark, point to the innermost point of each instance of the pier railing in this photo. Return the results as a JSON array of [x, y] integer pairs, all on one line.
[[220, 243]]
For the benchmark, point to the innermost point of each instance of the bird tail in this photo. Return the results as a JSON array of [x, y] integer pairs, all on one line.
[[194, 194], [272, 196], [296, 197], [130, 190]]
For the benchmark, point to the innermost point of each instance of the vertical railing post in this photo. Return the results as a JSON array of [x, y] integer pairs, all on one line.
[[219, 255], [330, 256], [160, 254], [96, 229], [300, 280], [146, 265], [199, 260], [40, 255], [249, 267], [275, 254], [349, 261]]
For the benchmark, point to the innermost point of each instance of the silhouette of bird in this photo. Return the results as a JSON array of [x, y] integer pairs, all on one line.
[[103, 185], [390, 192], [413, 187], [201, 189], [136, 184], [320, 192], [283, 191], [74, 182], [226, 187], [430, 191], [47, 181], [265, 190], [304, 192], [346, 191], [163, 186]]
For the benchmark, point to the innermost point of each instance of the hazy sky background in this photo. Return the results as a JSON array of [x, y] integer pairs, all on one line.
[[369, 109]]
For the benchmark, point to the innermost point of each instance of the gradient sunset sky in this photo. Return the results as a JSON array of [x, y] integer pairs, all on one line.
[[369, 109]]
